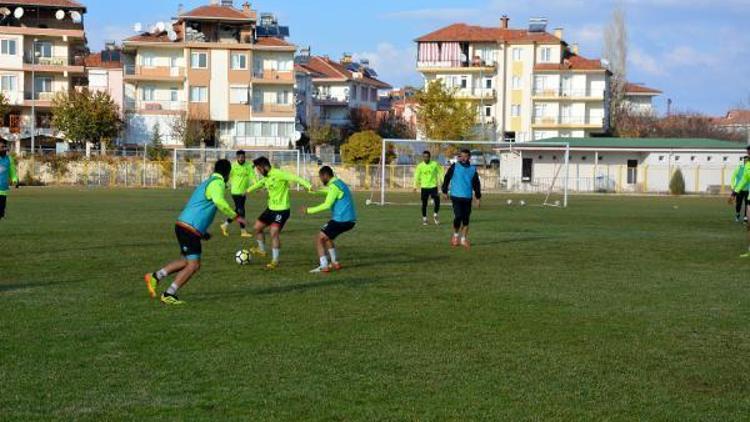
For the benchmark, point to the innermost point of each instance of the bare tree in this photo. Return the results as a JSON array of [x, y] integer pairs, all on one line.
[[616, 54]]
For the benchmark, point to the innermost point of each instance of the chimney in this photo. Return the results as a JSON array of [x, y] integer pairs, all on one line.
[[559, 33], [504, 22], [346, 58], [574, 48]]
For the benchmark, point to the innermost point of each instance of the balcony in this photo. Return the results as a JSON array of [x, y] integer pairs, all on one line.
[[154, 73], [329, 100], [567, 122], [274, 110], [478, 66], [39, 99], [269, 76], [155, 107], [476, 93], [567, 94], [53, 64]]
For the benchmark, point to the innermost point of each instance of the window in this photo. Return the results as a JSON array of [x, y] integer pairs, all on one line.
[[148, 94], [283, 97], [43, 85], [373, 95], [527, 169], [285, 65], [8, 83], [8, 47], [488, 111], [239, 61], [239, 95], [545, 55], [515, 110], [464, 82], [517, 54], [632, 172], [198, 94], [44, 49], [199, 60], [149, 60], [354, 93], [516, 82], [174, 95]]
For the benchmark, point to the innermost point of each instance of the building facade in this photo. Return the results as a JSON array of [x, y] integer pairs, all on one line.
[[640, 98], [42, 50], [219, 65], [526, 84], [340, 87]]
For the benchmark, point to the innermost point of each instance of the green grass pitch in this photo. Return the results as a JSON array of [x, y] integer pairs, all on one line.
[[613, 309]]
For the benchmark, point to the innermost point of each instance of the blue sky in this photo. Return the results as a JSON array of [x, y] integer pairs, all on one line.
[[696, 51]]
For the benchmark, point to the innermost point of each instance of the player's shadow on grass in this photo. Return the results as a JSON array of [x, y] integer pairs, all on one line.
[[512, 240], [330, 281], [9, 288]]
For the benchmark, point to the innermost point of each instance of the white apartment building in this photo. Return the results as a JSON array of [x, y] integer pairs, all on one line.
[[339, 87], [216, 64], [42, 48], [527, 84]]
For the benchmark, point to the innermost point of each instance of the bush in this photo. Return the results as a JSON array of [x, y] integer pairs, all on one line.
[[364, 148], [677, 184]]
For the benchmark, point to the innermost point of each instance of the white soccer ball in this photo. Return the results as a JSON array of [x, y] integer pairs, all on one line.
[[510, 202], [242, 257], [522, 203], [368, 202]]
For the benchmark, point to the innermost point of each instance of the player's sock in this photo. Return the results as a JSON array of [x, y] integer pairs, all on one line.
[[332, 252], [172, 290], [275, 254], [261, 245], [323, 262], [161, 274]]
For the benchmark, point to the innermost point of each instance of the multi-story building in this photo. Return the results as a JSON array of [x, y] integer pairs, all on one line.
[[219, 65], [42, 49], [105, 73], [340, 87], [640, 98], [526, 83]]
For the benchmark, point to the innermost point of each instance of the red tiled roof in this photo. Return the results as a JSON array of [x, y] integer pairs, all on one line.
[[471, 33], [325, 68], [218, 12], [72, 4], [160, 37], [572, 62], [95, 60], [631, 88], [735, 117], [273, 42]]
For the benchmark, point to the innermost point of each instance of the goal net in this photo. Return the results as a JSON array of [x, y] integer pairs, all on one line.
[[502, 168], [191, 166]]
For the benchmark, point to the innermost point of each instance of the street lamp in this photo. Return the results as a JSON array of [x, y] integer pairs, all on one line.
[[34, 55]]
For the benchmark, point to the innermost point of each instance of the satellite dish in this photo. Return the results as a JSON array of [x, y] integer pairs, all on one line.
[[152, 29], [138, 27], [5, 11], [60, 15], [296, 136], [18, 13], [76, 16], [161, 26], [172, 35]]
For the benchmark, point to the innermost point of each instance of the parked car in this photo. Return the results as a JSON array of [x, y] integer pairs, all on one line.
[[481, 159]]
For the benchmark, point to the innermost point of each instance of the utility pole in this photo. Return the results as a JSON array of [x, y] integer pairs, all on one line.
[[33, 94]]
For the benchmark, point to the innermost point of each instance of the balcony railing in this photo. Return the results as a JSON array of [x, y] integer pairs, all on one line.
[[568, 120], [330, 99], [455, 64], [154, 71], [273, 75], [273, 108], [53, 61], [567, 93], [155, 105], [39, 95], [476, 93]]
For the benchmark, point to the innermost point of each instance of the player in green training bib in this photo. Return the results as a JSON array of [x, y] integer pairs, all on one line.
[[192, 227], [428, 176], [8, 176], [344, 217], [277, 183], [741, 199], [241, 178]]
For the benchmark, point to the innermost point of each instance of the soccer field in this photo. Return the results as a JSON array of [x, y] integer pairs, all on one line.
[[616, 308]]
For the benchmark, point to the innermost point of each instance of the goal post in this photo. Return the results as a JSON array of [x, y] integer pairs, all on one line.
[[500, 164], [190, 166]]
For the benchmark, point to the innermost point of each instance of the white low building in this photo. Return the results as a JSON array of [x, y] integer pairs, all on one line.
[[622, 165]]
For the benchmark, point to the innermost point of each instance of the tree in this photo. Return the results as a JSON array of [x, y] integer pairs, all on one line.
[[677, 184], [616, 54], [155, 148], [633, 124], [321, 134], [441, 116], [364, 148], [86, 117], [363, 119], [395, 127], [191, 131]]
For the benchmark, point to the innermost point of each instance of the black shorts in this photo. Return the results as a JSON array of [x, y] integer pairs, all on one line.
[[3, 202], [462, 210], [334, 229], [239, 204], [274, 218], [190, 243], [430, 193]]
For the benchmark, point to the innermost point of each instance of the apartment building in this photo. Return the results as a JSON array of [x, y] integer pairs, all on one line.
[[104, 71], [217, 64], [640, 98], [339, 87], [42, 49], [527, 84]]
